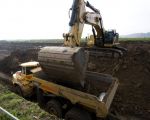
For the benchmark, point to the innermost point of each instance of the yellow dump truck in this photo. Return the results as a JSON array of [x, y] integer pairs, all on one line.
[[88, 103]]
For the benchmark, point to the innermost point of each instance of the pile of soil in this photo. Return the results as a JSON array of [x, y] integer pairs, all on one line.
[[133, 72], [11, 63]]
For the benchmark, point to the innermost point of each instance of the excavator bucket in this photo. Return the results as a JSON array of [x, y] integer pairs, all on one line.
[[65, 65]]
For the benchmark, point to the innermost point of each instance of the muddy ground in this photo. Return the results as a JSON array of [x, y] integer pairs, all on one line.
[[133, 96], [133, 72]]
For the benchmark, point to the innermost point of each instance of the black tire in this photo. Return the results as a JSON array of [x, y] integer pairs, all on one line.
[[40, 98], [54, 107], [77, 114], [19, 91], [113, 116]]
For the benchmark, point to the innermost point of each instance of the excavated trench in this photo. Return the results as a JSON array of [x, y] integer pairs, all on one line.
[[133, 71]]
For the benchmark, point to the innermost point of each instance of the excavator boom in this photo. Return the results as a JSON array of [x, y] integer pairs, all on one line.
[[76, 24], [101, 38]]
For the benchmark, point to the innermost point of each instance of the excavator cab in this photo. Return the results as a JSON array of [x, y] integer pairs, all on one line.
[[111, 38]]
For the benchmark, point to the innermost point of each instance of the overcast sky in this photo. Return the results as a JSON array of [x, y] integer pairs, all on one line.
[[47, 19]]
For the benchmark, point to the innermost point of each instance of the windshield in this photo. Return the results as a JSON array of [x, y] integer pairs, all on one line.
[[27, 70]]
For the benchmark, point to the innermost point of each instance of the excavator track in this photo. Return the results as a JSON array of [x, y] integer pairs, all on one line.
[[114, 52], [124, 50]]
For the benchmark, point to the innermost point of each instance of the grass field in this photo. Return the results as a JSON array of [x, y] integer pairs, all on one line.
[[19, 107], [134, 39], [61, 40]]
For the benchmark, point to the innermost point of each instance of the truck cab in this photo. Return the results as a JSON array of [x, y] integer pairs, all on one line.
[[22, 79]]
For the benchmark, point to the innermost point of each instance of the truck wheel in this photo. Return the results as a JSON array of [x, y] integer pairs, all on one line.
[[19, 91], [77, 114], [54, 107], [40, 98]]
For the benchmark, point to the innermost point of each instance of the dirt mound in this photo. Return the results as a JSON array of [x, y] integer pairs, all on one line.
[[11, 63], [133, 96]]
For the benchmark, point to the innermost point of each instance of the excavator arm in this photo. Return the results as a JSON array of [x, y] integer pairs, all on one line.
[[102, 40], [79, 17], [76, 24]]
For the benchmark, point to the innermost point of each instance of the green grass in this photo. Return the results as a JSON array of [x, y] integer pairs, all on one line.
[[134, 39], [19, 107]]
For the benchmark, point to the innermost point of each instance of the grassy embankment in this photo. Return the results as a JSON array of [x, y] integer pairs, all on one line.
[[19, 107], [134, 39]]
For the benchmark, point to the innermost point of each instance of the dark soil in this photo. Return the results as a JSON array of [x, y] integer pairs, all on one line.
[[133, 72], [10, 64]]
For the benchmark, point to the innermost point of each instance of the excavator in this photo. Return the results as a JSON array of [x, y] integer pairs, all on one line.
[[102, 42], [69, 62]]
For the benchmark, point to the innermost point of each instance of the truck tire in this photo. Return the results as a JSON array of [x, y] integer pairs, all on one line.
[[19, 91], [77, 114], [54, 107], [40, 98]]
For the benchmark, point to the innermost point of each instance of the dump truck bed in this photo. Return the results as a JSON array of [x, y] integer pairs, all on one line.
[[96, 96]]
